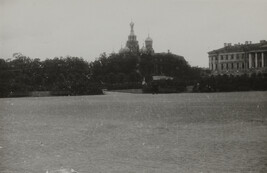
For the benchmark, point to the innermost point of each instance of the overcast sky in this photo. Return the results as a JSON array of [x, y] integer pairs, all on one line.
[[86, 28]]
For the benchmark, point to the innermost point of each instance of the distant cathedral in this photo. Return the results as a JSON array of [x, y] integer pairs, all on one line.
[[133, 46]]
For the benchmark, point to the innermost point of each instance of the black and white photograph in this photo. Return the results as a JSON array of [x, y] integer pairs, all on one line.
[[123, 86]]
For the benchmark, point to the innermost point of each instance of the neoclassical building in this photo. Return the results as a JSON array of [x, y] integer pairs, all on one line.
[[239, 59], [133, 46]]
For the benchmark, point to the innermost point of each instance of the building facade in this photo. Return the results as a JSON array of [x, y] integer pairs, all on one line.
[[239, 59]]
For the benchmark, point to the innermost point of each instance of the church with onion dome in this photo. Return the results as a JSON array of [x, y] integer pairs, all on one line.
[[132, 45], [151, 66]]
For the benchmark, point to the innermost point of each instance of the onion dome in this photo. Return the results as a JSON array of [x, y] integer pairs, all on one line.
[[143, 49], [149, 39], [124, 50]]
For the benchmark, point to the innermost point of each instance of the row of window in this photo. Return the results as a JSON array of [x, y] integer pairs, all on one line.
[[228, 66], [228, 57]]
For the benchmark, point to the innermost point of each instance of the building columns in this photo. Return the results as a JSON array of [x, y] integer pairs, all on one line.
[[249, 60], [262, 59], [256, 60]]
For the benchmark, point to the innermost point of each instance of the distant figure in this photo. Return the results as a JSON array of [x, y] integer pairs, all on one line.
[[144, 82]]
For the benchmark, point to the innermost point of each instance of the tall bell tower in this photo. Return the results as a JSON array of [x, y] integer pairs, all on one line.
[[132, 43]]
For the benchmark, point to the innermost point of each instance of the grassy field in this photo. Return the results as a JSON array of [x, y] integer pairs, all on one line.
[[130, 133]]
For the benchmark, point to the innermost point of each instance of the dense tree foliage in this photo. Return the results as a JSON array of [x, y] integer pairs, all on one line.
[[232, 83], [127, 70], [74, 76], [117, 68], [132, 68], [116, 71], [169, 65], [61, 76]]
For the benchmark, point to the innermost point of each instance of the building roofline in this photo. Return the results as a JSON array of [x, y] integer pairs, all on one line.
[[247, 47]]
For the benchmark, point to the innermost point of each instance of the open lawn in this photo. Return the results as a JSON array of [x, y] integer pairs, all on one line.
[[132, 133]]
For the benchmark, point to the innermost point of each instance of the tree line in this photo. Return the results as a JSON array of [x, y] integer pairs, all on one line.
[[61, 76], [75, 76], [129, 67], [226, 83]]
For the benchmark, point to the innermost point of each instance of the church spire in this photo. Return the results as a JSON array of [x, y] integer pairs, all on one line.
[[132, 43], [132, 26]]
